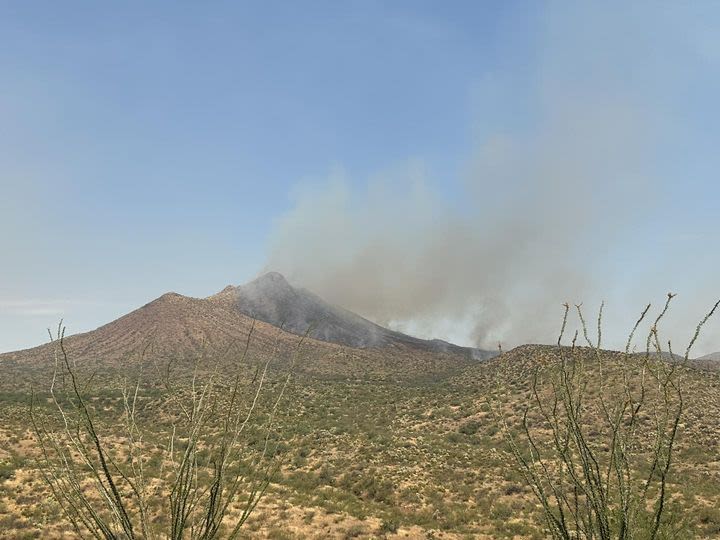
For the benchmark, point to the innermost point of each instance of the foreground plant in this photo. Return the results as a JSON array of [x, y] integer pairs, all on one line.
[[200, 480], [596, 442]]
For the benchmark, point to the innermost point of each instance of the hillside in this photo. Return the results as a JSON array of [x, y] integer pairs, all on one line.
[[182, 328], [709, 361], [391, 438], [366, 456], [272, 299]]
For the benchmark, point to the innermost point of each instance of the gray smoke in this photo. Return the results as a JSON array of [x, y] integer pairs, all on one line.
[[549, 212]]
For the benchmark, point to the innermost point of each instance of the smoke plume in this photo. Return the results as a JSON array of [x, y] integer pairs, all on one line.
[[545, 212]]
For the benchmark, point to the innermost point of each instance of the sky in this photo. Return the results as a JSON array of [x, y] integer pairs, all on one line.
[[454, 170]]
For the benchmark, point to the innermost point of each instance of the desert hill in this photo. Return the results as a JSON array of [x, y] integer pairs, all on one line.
[[272, 299], [709, 361], [404, 457], [178, 327]]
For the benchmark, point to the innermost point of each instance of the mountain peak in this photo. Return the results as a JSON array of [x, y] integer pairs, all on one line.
[[270, 298], [271, 284], [272, 277]]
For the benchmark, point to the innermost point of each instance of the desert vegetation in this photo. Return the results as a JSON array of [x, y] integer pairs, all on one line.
[[598, 448], [564, 441], [187, 472]]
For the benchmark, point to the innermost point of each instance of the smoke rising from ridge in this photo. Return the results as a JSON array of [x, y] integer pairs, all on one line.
[[543, 213]]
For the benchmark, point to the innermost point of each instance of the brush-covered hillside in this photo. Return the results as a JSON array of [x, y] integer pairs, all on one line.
[[394, 439]]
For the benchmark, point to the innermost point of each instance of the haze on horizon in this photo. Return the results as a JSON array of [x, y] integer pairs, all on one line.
[[451, 171]]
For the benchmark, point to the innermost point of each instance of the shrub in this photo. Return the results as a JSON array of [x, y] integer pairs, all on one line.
[[589, 480], [220, 451]]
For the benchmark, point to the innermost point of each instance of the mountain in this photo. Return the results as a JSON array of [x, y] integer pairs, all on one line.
[[712, 357], [272, 299], [179, 328]]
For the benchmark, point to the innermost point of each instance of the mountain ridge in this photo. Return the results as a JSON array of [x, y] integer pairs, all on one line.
[[180, 328], [272, 299]]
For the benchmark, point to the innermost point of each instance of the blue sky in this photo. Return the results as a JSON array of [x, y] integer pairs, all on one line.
[[147, 147]]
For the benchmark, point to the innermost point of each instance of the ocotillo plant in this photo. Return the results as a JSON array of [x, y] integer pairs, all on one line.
[[198, 479], [595, 443]]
